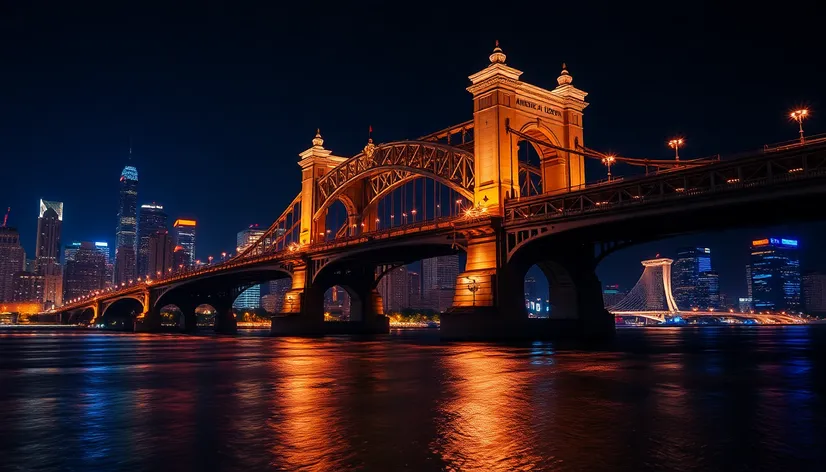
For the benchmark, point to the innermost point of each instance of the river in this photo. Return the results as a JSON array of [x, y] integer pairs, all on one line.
[[657, 399]]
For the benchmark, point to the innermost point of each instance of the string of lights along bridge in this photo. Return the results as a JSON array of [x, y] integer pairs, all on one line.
[[507, 188]]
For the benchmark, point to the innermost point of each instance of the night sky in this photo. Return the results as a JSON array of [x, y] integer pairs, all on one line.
[[218, 100]]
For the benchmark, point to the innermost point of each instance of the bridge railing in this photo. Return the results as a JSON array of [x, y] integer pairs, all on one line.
[[753, 170]]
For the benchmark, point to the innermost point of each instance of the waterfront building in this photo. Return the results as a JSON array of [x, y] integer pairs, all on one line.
[[696, 285], [151, 219], [414, 290], [28, 287], [395, 290], [251, 297], [185, 238], [775, 274], [159, 255], [814, 293], [12, 260], [85, 273], [611, 295], [277, 290], [126, 235], [438, 281], [47, 251]]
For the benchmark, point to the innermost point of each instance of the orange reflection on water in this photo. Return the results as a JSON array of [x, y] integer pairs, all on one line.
[[484, 422], [304, 414]]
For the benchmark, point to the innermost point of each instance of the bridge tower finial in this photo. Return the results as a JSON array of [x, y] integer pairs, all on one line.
[[318, 141], [564, 77], [498, 57]]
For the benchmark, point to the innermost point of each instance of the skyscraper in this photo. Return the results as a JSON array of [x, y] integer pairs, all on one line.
[[439, 281], [151, 219], [49, 223], [159, 257], [395, 290], [775, 274], [85, 273], [277, 289], [28, 287], [12, 260], [185, 237], [695, 284], [414, 282], [251, 297], [814, 293], [126, 236], [47, 252]]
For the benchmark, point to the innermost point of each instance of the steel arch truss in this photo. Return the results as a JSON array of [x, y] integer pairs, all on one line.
[[386, 166], [283, 232]]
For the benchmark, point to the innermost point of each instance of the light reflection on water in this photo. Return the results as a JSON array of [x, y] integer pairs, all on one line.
[[729, 398]]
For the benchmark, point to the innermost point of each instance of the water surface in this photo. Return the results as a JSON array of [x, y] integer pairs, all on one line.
[[684, 399]]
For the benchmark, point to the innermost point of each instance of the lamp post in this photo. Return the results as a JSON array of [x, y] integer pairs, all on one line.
[[676, 144], [799, 116], [608, 160], [473, 287], [458, 206]]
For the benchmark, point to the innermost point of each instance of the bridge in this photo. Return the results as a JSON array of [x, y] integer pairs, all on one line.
[[652, 299], [467, 188]]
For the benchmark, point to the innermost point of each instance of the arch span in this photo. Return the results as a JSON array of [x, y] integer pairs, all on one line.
[[389, 164], [121, 313]]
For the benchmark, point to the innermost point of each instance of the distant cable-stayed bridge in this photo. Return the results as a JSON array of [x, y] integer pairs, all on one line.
[[652, 298]]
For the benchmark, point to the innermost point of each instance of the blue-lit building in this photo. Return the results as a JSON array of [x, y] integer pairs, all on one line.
[[775, 274], [127, 232], [694, 283]]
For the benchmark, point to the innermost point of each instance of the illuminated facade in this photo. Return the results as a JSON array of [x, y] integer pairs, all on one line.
[[12, 260], [775, 274], [414, 283], [814, 293], [28, 287], [126, 235], [394, 288], [47, 251], [159, 257], [85, 272], [611, 295], [438, 280], [185, 238], [696, 285], [251, 297], [151, 219]]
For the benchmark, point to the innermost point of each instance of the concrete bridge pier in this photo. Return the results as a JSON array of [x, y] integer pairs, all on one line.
[[225, 322]]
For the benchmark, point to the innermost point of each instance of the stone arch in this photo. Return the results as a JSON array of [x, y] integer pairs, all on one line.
[[121, 313], [553, 167]]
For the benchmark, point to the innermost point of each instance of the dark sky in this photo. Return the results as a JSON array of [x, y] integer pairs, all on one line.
[[218, 98]]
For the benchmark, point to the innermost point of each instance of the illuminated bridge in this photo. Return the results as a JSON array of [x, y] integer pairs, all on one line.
[[652, 298], [474, 188]]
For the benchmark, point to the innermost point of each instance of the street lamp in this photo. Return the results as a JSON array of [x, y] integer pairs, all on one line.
[[210, 260], [473, 287], [676, 144], [458, 206], [413, 212], [799, 116], [608, 160]]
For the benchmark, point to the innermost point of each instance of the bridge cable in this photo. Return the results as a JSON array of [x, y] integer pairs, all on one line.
[[593, 154]]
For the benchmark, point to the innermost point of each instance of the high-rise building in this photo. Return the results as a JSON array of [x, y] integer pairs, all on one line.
[[70, 250], [180, 259], [748, 280], [277, 290], [85, 273], [12, 260], [28, 287], [394, 288], [439, 281], [414, 283], [49, 224], [337, 302], [530, 287], [775, 274], [251, 297], [185, 237], [126, 236], [247, 237], [47, 252], [695, 286], [159, 257], [744, 304], [151, 219], [814, 293]]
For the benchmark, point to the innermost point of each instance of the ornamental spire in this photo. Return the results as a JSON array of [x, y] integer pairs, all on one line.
[[498, 57], [564, 77], [318, 141]]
